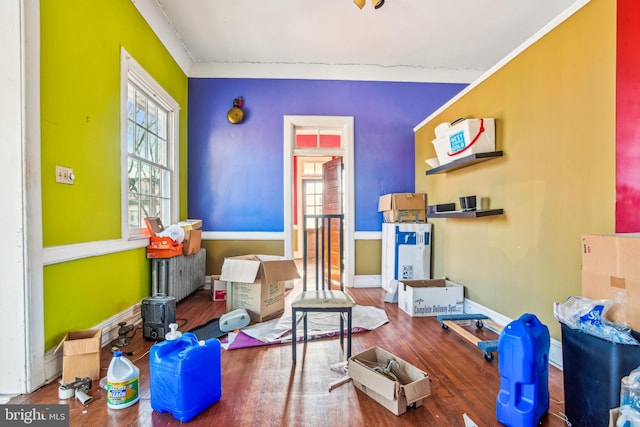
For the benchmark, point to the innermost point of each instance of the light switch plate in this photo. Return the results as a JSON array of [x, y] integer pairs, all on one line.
[[64, 175]]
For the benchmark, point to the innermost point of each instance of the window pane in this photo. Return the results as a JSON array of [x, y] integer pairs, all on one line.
[[131, 93], [165, 209], [145, 208], [166, 184], [130, 137], [134, 211], [155, 181], [329, 141], [154, 209], [141, 146], [162, 124], [141, 109], [145, 179], [152, 117], [162, 152], [152, 147], [306, 141], [308, 168], [134, 176]]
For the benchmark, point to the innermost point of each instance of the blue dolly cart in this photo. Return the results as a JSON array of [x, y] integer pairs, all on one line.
[[488, 347]]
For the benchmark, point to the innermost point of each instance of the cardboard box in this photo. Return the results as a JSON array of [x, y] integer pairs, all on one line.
[[81, 355], [403, 207], [421, 298], [191, 224], [191, 242], [610, 267], [256, 283], [408, 391], [218, 288]]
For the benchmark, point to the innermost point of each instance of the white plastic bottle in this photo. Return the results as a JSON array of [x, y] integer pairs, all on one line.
[[122, 382]]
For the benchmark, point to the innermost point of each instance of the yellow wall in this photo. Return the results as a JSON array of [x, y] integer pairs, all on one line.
[[80, 110], [554, 106], [218, 250]]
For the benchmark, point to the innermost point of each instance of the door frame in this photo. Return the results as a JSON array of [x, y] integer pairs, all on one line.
[[346, 151]]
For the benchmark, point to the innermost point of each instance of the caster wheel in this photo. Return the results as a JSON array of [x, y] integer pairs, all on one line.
[[488, 357], [479, 324], [445, 326]]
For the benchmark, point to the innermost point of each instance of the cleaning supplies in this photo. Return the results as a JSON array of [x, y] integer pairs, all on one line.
[[122, 382]]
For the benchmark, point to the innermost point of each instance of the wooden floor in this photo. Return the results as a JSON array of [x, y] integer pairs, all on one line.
[[260, 387]]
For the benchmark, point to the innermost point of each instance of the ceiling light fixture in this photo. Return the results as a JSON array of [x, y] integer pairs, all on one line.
[[377, 4]]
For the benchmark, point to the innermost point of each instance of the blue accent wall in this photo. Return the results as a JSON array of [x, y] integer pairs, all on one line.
[[235, 172]]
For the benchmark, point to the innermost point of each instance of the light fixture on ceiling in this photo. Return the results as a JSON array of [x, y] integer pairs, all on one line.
[[377, 4]]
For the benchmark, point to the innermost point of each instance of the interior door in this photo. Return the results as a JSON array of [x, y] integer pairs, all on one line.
[[332, 203]]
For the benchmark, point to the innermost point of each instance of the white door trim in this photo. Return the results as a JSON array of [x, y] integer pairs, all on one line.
[[345, 124], [21, 293]]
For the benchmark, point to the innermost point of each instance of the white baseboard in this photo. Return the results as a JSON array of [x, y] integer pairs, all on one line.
[[53, 359], [367, 281], [555, 348]]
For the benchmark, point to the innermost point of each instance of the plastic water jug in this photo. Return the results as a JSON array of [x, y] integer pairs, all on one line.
[[122, 382], [523, 364], [185, 375]]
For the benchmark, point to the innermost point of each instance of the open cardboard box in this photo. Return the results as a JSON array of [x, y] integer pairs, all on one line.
[[256, 283], [81, 355], [403, 207], [408, 391], [419, 298]]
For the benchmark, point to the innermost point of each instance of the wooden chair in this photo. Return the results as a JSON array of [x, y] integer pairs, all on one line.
[[323, 298]]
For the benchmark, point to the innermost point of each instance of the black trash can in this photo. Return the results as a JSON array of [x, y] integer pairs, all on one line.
[[592, 370]]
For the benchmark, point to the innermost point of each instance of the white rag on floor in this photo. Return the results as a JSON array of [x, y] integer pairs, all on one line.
[[318, 324]]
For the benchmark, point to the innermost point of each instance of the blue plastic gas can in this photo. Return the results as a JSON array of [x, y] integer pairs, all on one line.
[[185, 375], [523, 364]]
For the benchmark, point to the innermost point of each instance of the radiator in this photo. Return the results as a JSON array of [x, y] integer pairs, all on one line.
[[178, 276]]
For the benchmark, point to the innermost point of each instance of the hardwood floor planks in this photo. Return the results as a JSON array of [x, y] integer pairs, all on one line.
[[260, 387]]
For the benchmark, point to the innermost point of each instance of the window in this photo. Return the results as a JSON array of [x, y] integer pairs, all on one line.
[[149, 147]]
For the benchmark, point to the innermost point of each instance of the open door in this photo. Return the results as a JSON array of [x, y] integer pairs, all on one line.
[[332, 203]]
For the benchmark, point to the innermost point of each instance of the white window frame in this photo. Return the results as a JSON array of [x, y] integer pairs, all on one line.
[[131, 70]]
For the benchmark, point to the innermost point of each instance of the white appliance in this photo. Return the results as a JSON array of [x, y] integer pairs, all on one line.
[[406, 253]]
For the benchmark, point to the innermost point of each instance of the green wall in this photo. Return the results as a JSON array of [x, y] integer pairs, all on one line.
[[554, 106], [80, 110]]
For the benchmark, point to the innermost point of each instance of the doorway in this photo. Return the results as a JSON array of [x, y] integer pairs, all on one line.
[[299, 135]]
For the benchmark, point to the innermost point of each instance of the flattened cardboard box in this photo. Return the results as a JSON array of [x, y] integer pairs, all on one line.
[[403, 207], [422, 298], [409, 391], [610, 264], [81, 355], [256, 283]]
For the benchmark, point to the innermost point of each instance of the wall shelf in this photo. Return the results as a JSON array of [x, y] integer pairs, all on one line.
[[465, 162], [467, 214]]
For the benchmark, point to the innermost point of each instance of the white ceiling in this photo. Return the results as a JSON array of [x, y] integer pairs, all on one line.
[[404, 40]]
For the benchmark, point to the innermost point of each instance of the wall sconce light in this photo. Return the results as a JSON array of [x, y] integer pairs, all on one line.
[[360, 3], [235, 115]]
